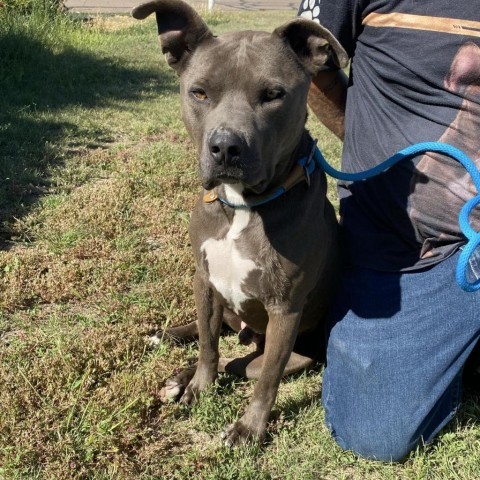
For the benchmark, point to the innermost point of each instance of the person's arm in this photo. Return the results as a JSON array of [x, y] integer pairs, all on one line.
[[327, 97], [328, 91]]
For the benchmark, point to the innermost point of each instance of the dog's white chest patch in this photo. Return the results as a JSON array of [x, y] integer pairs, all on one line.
[[227, 268]]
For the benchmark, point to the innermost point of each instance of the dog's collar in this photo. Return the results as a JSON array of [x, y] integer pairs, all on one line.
[[301, 171]]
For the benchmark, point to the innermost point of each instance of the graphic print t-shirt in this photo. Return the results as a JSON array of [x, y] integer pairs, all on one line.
[[415, 77]]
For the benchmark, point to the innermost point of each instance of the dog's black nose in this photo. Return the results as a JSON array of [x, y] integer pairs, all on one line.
[[225, 146]]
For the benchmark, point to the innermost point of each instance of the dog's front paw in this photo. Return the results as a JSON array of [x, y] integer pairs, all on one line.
[[200, 381], [190, 396], [241, 432]]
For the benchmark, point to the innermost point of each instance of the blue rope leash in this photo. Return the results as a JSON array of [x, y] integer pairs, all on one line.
[[473, 237]]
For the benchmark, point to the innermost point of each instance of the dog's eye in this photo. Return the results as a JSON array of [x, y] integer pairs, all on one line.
[[271, 94], [199, 94]]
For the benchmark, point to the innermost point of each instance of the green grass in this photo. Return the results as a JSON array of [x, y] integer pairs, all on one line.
[[97, 179]]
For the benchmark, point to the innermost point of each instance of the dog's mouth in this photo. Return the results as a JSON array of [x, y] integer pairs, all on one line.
[[215, 182], [253, 182], [256, 189]]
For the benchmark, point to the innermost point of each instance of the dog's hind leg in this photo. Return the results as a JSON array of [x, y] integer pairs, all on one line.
[[251, 365], [189, 332], [177, 335], [175, 386]]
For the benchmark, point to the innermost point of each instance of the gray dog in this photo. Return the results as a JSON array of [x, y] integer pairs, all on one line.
[[263, 232]]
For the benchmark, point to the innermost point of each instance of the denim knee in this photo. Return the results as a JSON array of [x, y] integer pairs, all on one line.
[[388, 429], [374, 441], [395, 353]]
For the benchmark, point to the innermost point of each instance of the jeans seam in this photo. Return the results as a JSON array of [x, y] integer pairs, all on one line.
[[328, 412]]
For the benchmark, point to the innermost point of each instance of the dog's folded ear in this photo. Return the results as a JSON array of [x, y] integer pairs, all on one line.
[[180, 29], [313, 44]]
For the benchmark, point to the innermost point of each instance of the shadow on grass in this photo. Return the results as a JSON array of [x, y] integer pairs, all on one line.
[[38, 86]]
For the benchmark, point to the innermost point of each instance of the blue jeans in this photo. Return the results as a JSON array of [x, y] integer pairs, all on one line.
[[395, 354]]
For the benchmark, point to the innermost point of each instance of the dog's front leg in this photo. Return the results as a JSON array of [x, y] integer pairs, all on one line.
[[210, 314], [281, 333]]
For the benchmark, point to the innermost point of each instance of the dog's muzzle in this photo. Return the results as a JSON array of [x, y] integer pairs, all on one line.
[[228, 158]]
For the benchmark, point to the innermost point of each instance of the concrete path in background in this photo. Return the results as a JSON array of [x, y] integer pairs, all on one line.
[[122, 6]]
